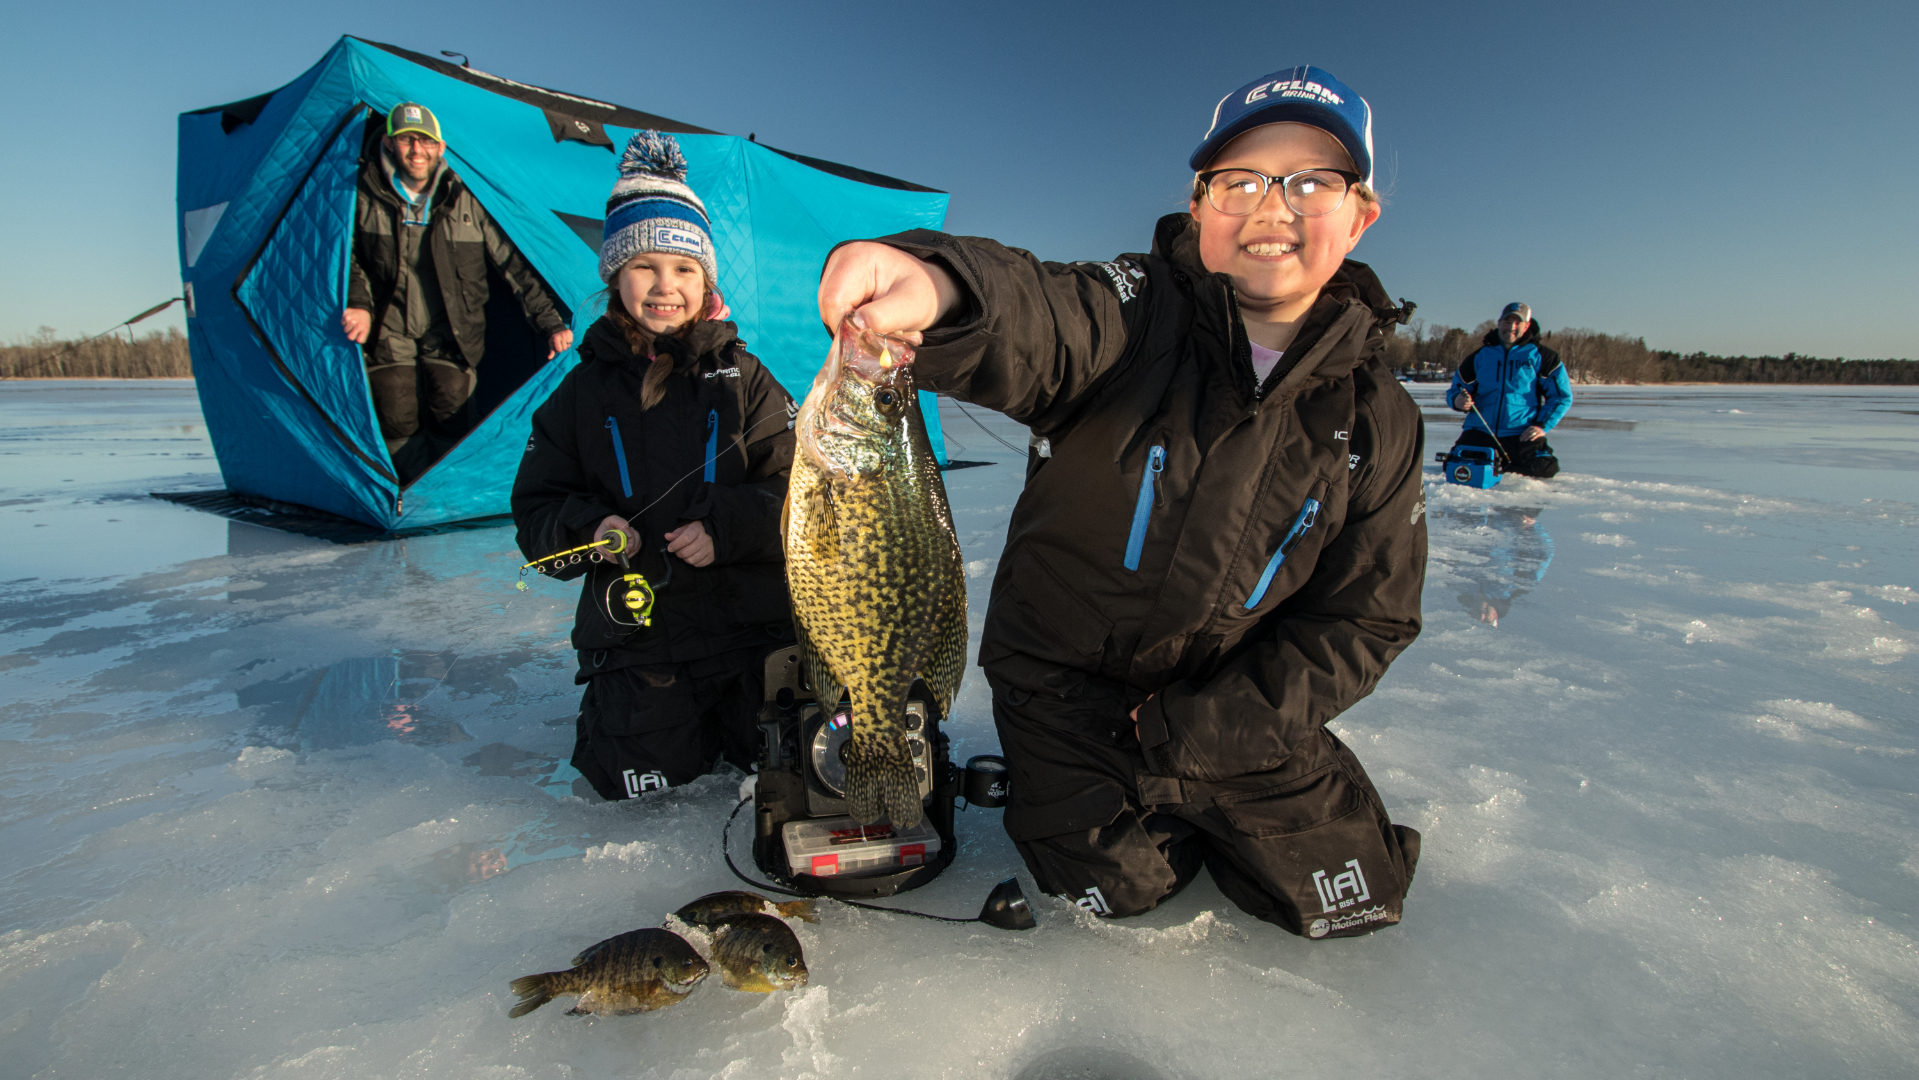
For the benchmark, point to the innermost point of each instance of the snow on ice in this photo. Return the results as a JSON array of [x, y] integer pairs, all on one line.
[[274, 807]]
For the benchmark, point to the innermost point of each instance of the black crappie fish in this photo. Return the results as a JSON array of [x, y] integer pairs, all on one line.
[[638, 971], [758, 954], [713, 907], [879, 591]]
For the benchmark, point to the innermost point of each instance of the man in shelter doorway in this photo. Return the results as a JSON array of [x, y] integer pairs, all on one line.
[[1513, 391], [418, 287]]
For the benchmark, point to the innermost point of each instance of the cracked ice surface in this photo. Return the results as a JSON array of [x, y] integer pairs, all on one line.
[[273, 807]]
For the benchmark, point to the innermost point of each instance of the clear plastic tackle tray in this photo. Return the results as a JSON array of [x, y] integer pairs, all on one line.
[[842, 847]]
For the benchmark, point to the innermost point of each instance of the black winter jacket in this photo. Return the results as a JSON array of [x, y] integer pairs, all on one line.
[[463, 239], [594, 452], [1251, 555]]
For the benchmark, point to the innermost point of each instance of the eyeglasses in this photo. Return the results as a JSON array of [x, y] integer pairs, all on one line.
[[1308, 193], [425, 142]]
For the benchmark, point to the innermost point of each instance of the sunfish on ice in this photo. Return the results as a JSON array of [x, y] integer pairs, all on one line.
[[638, 971], [873, 563], [713, 907], [758, 954]]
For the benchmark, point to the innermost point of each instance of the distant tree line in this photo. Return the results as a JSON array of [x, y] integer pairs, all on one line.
[[1428, 351], [161, 354], [1431, 351]]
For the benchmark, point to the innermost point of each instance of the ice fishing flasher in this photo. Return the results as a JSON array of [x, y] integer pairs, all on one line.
[[804, 836]]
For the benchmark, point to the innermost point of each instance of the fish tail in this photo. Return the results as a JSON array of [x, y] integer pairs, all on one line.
[[881, 786], [534, 991], [804, 910]]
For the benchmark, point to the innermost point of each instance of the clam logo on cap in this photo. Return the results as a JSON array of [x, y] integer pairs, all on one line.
[[412, 114], [674, 238], [1294, 88]]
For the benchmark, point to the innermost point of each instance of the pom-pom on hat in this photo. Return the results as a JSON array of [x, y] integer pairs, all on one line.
[[652, 209], [1301, 95]]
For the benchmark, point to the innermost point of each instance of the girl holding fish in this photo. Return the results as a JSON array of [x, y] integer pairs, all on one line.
[[671, 441], [1221, 542]]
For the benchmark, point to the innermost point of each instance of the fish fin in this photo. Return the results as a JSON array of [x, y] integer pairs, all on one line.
[[821, 526], [588, 953], [826, 688], [945, 667], [533, 991], [881, 784], [804, 910]]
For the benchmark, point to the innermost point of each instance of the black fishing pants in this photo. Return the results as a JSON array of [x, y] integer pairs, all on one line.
[[651, 726], [422, 390], [1307, 847], [1535, 459]]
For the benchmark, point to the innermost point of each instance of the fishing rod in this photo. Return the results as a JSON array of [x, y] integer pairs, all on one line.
[[1473, 404]]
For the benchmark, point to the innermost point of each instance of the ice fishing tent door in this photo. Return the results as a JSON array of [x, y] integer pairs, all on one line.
[[294, 292]]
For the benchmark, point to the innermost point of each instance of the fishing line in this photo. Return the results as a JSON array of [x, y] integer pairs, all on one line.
[[962, 408], [726, 852], [738, 440]]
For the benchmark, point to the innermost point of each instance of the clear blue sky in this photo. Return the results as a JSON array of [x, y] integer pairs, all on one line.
[[1725, 177]]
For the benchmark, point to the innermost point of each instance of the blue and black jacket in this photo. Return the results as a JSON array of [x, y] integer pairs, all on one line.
[[1513, 387], [716, 449]]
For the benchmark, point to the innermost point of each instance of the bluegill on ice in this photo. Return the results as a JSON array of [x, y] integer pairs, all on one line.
[[638, 971]]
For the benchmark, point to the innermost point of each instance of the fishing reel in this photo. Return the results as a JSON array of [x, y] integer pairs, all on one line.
[[628, 598], [804, 836]]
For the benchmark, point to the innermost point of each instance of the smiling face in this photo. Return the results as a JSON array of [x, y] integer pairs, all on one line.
[[1512, 328], [663, 292], [415, 155], [1278, 260]]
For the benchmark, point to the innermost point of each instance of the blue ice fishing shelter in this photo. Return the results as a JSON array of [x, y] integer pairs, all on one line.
[[266, 194]]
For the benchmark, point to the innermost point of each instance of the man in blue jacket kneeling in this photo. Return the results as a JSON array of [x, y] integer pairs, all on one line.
[[1513, 391]]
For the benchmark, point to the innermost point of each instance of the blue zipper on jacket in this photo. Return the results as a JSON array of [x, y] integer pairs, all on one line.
[[712, 443], [619, 455], [1308, 514], [1143, 509]]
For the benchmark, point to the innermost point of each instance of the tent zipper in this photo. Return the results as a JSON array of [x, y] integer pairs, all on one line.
[[619, 455], [1143, 509], [1308, 514], [712, 443]]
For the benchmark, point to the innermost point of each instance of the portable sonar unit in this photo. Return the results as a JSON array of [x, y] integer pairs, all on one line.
[[1473, 466], [803, 835]]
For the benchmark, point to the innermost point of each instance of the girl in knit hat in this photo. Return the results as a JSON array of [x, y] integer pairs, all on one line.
[[671, 441]]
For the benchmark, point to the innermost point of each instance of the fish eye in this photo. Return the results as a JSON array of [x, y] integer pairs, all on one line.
[[792, 962], [885, 399]]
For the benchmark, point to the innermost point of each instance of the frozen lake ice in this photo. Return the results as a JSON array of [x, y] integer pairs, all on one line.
[[274, 807]]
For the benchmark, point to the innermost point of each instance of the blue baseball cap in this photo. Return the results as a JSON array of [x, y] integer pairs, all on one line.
[[1301, 95]]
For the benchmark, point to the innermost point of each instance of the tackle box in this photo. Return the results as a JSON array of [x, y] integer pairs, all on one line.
[[842, 847], [1473, 466]]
